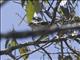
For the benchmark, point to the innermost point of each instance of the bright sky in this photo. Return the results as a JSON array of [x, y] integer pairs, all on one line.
[[10, 19]]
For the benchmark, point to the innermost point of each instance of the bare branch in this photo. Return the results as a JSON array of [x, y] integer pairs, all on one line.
[[74, 51], [52, 29], [45, 52], [9, 50], [62, 53]]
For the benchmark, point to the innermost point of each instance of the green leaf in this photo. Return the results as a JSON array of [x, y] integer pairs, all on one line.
[[31, 8], [30, 11], [11, 43], [36, 5], [23, 52]]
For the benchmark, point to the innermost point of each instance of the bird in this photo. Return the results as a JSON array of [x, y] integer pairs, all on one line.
[[65, 11], [38, 24]]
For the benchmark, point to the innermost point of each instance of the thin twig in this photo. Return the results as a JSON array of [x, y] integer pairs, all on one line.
[[50, 5], [55, 10], [72, 49], [62, 53], [32, 51], [7, 51], [45, 52]]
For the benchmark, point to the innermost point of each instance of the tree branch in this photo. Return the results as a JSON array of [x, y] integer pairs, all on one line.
[[62, 53], [52, 29], [45, 52], [74, 51], [9, 50]]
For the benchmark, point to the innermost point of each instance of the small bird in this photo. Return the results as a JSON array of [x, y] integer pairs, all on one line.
[[38, 24], [64, 9]]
